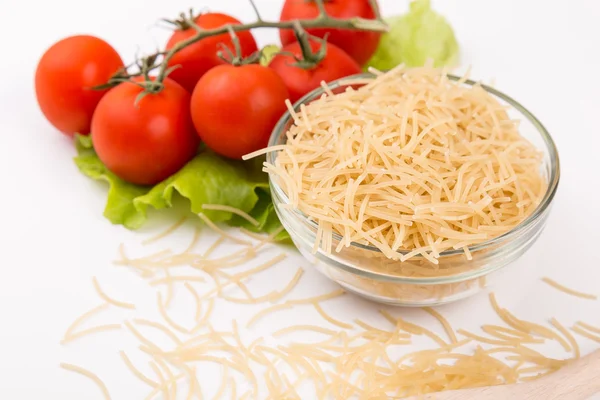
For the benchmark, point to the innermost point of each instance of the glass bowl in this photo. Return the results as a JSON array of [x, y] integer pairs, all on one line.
[[365, 271]]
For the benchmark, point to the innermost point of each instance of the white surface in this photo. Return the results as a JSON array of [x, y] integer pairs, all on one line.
[[544, 54]]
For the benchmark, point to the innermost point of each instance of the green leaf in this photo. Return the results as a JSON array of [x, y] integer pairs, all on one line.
[[206, 179], [119, 204], [415, 37]]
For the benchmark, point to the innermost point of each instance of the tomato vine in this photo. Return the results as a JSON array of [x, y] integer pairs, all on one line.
[[160, 60]]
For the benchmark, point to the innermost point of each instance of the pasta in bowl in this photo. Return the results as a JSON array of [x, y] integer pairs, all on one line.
[[409, 187]]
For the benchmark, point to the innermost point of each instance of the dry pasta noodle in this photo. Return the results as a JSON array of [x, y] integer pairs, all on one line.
[[177, 278], [84, 317], [194, 241], [214, 227], [263, 313], [141, 337], [167, 318], [90, 331], [312, 328], [279, 294], [319, 298], [584, 333], [197, 299], [233, 210], [167, 232], [136, 372], [567, 290], [163, 384], [412, 151], [272, 296], [526, 326], [170, 289], [90, 375], [444, 322], [329, 318], [568, 335], [589, 327], [112, 301], [158, 326]]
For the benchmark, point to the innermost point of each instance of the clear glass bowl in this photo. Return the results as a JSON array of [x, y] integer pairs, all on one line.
[[365, 271]]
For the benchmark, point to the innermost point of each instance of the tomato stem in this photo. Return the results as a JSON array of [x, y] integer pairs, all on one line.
[[258, 17], [235, 57], [321, 8], [309, 58]]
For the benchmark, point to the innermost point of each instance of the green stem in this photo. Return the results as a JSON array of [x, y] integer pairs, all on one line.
[[321, 8], [309, 59]]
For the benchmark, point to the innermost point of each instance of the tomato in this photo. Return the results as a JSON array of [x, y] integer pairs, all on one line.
[[201, 56], [64, 79], [360, 45], [144, 143], [336, 64], [235, 108]]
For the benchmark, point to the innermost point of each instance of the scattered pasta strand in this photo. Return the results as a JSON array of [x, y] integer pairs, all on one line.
[[79, 320], [90, 375], [279, 294], [263, 313], [567, 290], [329, 318], [167, 318], [319, 298], [167, 232], [589, 327], [584, 333], [160, 327], [110, 300], [444, 322], [90, 331], [214, 227], [568, 335], [233, 210], [136, 372]]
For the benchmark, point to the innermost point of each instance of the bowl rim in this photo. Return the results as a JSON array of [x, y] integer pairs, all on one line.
[[553, 179]]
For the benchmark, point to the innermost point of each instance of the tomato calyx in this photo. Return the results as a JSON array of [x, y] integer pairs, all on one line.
[[309, 58], [235, 57], [182, 22]]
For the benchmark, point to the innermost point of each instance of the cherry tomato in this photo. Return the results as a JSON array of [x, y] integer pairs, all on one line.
[[144, 142], [64, 79], [336, 64], [201, 56], [235, 108], [360, 45]]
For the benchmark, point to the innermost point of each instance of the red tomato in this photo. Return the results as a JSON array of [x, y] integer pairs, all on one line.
[[64, 77], [336, 64], [198, 58], [235, 108], [144, 143], [360, 45]]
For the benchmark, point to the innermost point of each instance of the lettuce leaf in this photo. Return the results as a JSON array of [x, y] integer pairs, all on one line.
[[415, 37], [206, 179]]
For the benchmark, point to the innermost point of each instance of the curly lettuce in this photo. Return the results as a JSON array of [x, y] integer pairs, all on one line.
[[415, 37], [206, 179]]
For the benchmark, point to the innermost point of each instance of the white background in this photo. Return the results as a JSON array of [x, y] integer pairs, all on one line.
[[54, 238]]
